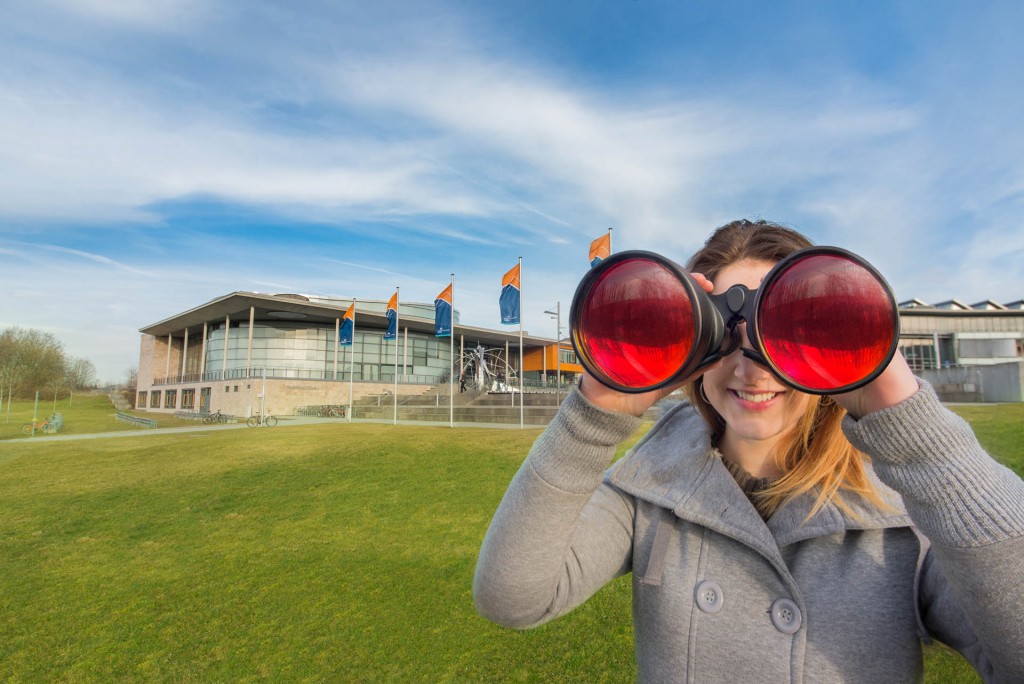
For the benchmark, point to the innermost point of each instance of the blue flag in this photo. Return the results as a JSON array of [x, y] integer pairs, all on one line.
[[392, 314], [443, 313], [509, 301], [348, 327]]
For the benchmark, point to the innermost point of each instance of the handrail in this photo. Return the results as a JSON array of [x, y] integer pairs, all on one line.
[[136, 420]]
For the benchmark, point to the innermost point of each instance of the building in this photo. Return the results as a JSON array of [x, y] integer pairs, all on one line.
[[248, 351], [970, 352]]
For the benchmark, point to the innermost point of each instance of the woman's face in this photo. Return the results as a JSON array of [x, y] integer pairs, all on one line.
[[757, 407]]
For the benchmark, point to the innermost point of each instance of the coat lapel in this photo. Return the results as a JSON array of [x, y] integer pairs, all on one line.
[[675, 467]]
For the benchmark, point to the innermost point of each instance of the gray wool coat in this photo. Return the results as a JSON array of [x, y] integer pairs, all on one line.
[[721, 596]]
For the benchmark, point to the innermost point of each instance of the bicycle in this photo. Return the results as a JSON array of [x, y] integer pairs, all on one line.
[[215, 417], [266, 421], [37, 426]]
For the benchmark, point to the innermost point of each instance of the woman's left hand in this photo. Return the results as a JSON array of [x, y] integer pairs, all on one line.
[[895, 384]]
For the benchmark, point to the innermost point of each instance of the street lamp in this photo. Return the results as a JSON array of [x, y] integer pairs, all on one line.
[[557, 314]]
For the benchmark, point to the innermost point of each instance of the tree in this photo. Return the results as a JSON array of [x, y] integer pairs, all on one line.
[[33, 359], [79, 374], [42, 356], [11, 371]]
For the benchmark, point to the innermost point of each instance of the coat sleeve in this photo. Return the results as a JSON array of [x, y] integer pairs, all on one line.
[[559, 533], [971, 509]]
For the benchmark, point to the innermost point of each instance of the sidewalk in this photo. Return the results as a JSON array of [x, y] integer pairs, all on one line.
[[283, 422], [142, 432]]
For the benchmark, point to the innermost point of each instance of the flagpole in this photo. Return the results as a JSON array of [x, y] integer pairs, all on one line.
[[610, 251], [520, 342], [352, 360], [398, 302], [451, 361]]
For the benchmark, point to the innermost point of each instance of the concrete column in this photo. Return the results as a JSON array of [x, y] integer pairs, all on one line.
[[167, 371], [405, 355], [248, 353], [337, 332], [224, 361], [202, 356], [184, 355]]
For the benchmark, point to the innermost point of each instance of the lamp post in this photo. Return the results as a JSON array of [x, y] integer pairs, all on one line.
[[557, 314]]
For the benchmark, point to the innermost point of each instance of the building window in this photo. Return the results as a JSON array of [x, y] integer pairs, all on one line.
[[236, 388], [154, 399], [140, 402], [227, 388], [170, 399], [188, 398], [919, 355]]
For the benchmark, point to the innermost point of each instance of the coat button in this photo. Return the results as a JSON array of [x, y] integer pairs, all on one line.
[[786, 616], [708, 596]]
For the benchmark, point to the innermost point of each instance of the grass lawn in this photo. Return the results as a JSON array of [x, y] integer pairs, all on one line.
[[315, 553], [82, 414]]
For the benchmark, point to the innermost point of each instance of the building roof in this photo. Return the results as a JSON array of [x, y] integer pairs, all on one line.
[[953, 306], [296, 308], [988, 305]]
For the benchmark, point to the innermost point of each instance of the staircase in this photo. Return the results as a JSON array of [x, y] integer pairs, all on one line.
[[475, 406]]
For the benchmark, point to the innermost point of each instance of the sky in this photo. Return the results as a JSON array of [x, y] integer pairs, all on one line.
[[157, 154]]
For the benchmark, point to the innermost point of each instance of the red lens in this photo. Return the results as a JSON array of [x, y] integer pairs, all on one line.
[[636, 323], [826, 322]]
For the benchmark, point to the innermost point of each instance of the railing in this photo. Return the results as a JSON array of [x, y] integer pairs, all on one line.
[[138, 421], [256, 373], [322, 411]]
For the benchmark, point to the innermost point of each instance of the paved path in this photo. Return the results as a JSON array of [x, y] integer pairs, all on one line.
[[142, 432], [284, 422]]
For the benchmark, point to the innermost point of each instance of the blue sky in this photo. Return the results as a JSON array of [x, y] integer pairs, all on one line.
[[156, 154]]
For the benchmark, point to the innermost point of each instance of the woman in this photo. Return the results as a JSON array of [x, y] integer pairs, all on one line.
[[772, 535]]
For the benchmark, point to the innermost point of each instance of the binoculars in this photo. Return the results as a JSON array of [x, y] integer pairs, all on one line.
[[823, 321]]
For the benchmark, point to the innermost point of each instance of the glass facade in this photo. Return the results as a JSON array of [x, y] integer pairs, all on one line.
[[307, 350]]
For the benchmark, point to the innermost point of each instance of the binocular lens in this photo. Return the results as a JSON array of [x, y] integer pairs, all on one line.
[[636, 324], [826, 322]]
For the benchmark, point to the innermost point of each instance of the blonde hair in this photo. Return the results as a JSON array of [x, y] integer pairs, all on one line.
[[815, 453]]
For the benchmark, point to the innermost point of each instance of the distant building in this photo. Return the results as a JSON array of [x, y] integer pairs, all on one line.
[[969, 352], [221, 354]]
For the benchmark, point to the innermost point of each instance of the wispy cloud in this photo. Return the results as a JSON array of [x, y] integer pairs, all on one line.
[[98, 258]]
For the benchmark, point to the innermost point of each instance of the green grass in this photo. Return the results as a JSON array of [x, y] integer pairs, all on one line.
[[83, 414], [312, 553]]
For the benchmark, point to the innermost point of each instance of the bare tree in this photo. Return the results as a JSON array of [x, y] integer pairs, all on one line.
[[42, 355], [11, 371], [79, 374], [32, 359]]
